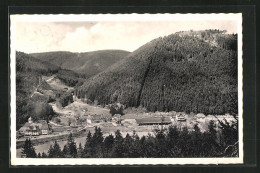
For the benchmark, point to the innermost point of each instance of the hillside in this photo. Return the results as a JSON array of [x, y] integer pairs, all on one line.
[[29, 73], [89, 63], [186, 71], [37, 83]]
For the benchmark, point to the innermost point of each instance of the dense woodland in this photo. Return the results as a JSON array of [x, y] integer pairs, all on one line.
[[29, 71], [171, 142], [187, 71], [28, 74], [70, 78]]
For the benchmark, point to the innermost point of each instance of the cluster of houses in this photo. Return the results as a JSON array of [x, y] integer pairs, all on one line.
[[31, 128], [41, 127], [166, 120]]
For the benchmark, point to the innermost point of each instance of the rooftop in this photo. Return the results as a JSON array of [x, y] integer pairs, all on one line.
[[153, 120]]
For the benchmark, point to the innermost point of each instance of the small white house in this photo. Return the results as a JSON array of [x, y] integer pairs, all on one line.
[[200, 117]]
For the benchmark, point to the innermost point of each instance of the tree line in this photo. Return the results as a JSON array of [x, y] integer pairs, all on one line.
[[172, 142]]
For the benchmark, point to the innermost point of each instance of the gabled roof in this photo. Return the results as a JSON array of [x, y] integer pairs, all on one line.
[[45, 126], [25, 126], [153, 120], [40, 125], [33, 128], [200, 115]]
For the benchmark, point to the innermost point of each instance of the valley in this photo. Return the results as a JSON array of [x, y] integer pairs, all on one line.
[[79, 118], [186, 81]]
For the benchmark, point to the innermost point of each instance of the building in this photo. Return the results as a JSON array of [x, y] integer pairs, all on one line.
[[34, 128], [200, 117], [45, 128], [180, 117], [154, 121]]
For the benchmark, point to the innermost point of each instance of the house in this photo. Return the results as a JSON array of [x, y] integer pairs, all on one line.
[[154, 121], [200, 117], [31, 128], [45, 128], [180, 117]]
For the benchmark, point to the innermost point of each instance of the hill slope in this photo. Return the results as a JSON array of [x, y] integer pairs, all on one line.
[[29, 72], [186, 71], [89, 63]]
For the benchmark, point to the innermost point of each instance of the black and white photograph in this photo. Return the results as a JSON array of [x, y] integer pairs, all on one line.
[[111, 89]]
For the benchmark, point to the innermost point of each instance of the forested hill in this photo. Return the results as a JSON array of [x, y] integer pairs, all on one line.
[[186, 71], [89, 63], [25, 62], [28, 74]]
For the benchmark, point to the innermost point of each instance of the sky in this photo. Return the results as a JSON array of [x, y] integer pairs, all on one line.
[[34, 37]]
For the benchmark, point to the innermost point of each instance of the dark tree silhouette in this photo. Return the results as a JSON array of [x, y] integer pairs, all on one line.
[[72, 148], [55, 151], [28, 149]]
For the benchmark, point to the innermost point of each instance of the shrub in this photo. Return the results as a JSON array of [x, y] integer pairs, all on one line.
[[116, 108]]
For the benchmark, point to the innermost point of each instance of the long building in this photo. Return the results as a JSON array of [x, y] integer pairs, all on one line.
[[154, 121]]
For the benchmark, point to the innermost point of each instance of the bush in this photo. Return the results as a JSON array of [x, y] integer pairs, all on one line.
[[65, 99], [116, 108], [57, 120], [40, 111]]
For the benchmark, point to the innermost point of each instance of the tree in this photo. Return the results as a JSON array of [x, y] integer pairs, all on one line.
[[196, 128], [40, 110], [172, 141], [65, 99], [28, 149], [72, 148], [116, 108], [212, 129], [149, 146], [97, 141], [55, 151], [183, 142], [80, 151], [196, 142], [88, 145], [65, 151], [135, 150], [210, 140], [127, 146], [44, 155], [118, 147], [50, 151], [229, 137], [108, 145], [39, 155]]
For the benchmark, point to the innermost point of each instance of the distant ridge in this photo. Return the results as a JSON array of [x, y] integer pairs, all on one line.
[[88, 63]]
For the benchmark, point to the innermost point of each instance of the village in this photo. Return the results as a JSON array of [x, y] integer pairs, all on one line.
[[79, 117], [82, 116]]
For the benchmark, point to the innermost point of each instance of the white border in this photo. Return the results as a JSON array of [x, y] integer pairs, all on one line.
[[122, 17]]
